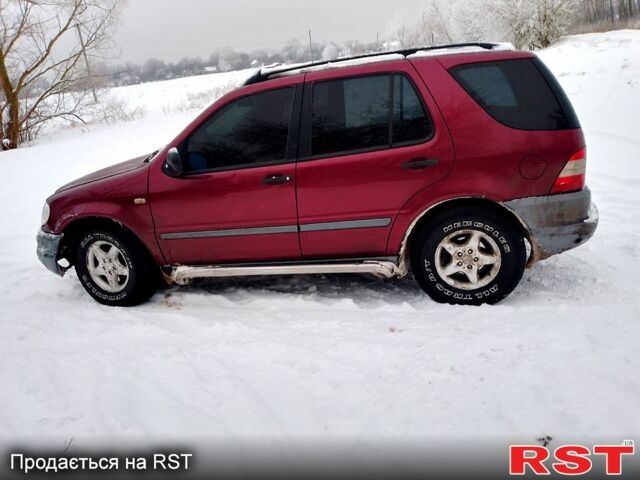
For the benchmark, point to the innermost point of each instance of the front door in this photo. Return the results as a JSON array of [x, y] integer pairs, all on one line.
[[236, 202]]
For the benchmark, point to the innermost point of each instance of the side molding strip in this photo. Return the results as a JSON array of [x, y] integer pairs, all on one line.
[[236, 232], [346, 225], [310, 227]]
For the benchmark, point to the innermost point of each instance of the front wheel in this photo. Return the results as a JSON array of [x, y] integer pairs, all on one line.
[[115, 269], [468, 256]]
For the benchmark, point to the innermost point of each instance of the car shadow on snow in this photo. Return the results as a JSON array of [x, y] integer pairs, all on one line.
[[357, 287]]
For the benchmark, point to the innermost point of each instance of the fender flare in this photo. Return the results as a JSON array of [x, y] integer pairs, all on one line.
[[403, 266]]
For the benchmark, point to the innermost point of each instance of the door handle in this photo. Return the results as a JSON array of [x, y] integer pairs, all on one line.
[[276, 179], [420, 163]]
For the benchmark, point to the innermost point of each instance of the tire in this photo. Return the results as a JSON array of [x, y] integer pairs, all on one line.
[[468, 256], [115, 269]]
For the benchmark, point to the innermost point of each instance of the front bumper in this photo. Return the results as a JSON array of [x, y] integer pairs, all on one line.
[[49, 251], [556, 223]]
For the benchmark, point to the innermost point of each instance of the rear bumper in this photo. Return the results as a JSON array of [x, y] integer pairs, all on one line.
[[556, 223], [48, 251]]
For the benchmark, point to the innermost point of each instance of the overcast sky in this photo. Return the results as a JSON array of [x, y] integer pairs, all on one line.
[[172, 29]]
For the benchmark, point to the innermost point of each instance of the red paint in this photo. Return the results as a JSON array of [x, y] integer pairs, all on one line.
[[532, 167], [478, 157], [222, 201], [110, 197]]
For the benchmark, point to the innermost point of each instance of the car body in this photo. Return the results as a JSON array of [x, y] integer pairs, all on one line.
[[300, 171]]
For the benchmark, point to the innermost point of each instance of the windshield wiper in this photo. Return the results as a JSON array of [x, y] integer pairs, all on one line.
[[146, 160]]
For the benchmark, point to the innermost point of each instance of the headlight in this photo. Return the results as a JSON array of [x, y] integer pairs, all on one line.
[[45, 214]]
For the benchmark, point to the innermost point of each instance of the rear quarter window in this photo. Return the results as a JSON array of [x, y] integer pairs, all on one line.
[[518, 93]]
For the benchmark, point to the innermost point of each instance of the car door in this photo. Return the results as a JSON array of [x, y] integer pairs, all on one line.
[[371, 138], [236, 201]]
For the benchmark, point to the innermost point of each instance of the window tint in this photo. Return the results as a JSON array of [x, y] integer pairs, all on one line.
[[515, 93], [251, 130], [350, 114], [410, 120], [561, 96]]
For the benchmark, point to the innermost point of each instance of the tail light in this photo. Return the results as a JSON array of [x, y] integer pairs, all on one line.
[[572, 176]]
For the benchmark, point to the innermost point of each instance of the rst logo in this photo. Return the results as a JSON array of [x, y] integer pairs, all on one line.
[[567, 459]]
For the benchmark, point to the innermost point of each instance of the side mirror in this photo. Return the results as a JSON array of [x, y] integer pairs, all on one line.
[[173, 166]]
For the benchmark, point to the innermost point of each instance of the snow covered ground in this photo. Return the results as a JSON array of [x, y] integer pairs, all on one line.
[[329, 357]]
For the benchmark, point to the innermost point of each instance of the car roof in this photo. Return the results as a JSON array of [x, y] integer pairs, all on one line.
[[280, 70]]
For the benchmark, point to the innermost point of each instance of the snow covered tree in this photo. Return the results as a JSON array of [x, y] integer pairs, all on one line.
[[293, 51], [395, 31], [45, 52], [432, 27], [330, 52], [535, 23], [457, 21]]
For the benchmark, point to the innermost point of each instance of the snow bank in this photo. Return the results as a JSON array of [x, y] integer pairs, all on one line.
[[329, 356]]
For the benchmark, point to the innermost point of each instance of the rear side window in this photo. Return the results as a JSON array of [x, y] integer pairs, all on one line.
[[410, 120], [519, 93], [350, 114], [363, 113]]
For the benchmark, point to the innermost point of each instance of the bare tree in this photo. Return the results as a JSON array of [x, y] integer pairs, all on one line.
[[45, 51], [607, 11]]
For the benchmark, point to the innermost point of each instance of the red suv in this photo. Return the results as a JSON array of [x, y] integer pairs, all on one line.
[[460, 164]]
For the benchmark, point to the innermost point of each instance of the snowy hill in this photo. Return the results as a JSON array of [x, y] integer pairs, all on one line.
[[344, 356]]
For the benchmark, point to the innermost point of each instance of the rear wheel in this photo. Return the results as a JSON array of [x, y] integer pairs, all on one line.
[[115, 269], [468, 256]]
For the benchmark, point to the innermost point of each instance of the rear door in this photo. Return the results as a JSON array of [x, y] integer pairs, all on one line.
[[371, 137]]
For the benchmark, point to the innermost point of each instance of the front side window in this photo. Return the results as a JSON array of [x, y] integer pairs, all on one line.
[[252, 130]]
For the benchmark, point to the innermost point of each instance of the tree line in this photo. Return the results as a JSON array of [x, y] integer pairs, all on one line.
[[228, 59], [525, 23], [595, 11]]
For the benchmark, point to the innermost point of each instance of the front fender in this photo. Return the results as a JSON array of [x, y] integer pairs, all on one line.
[[121, 199], [135, 219]]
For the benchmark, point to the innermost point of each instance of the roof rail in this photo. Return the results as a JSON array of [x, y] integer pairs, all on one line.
[[262, 75]]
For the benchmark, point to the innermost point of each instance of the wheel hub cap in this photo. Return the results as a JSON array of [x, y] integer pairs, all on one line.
[[468, 259], [107, 267]]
